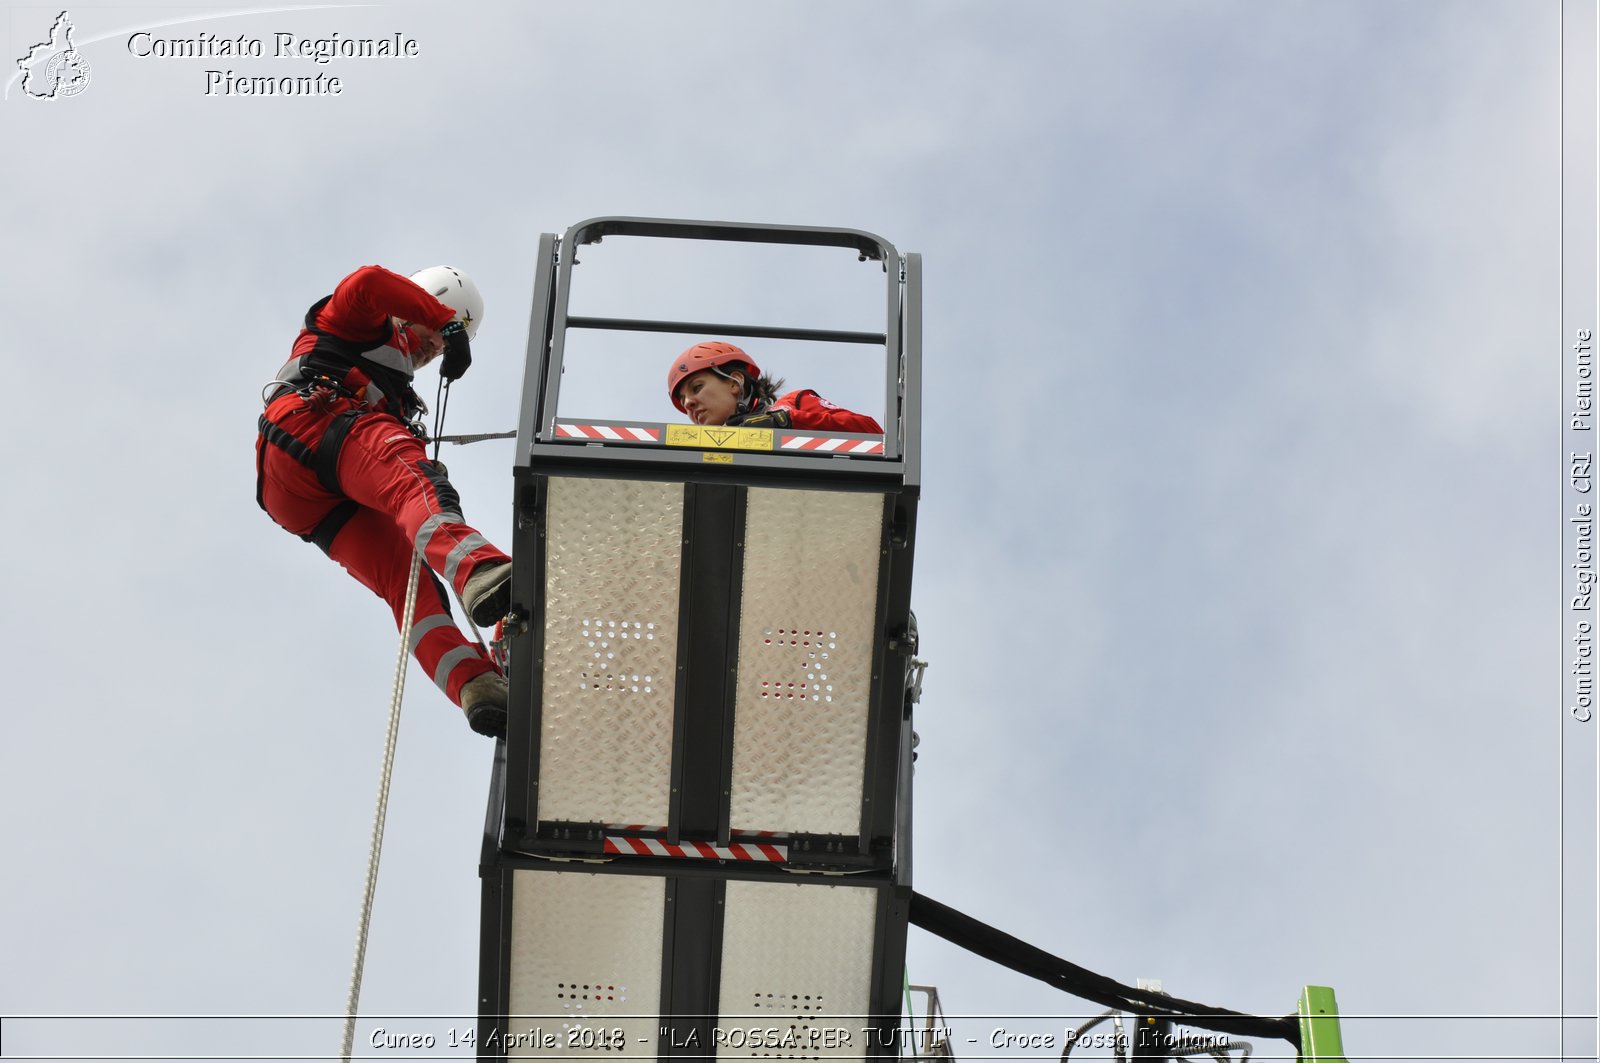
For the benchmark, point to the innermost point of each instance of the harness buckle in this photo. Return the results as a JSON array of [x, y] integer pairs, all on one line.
[[322, 392]]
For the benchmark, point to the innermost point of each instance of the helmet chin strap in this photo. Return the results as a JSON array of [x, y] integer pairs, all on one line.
[[746, 389]]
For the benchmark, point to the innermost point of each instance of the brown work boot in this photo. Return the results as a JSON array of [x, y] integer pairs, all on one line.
[[488, 593], [483, 699]]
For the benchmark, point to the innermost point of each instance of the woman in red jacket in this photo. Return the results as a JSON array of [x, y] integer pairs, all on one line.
[[717, 383]]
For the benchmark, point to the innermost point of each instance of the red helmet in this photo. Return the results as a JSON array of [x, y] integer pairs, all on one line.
[[712, 354]]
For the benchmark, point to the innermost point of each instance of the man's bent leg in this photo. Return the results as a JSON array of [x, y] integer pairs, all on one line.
[[384, 467], [374, 551]]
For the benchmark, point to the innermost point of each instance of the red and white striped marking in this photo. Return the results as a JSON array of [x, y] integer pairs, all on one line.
[[762, 852], [611, 433], [825, 445]]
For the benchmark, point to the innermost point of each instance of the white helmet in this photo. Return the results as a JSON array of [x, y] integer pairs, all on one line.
[[454, 289]]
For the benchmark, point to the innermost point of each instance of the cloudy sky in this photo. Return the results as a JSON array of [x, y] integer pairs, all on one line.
[[1238, 555]]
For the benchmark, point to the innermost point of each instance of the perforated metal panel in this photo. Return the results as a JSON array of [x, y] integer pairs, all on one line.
[[585, 954], [611, 645], [797, 958], [805, 659]]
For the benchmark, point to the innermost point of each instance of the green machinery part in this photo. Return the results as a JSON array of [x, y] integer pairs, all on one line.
[[1320, 1040]]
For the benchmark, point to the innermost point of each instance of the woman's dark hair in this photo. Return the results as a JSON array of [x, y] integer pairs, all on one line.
[[762, 390]]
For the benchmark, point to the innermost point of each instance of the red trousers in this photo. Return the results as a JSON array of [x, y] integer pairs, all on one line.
[[404, 503]]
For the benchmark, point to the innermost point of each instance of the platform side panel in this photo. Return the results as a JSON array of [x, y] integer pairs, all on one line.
[[611, 646], [585, 965], [806, 639], [796, 969], [893, 667], [493, 963]]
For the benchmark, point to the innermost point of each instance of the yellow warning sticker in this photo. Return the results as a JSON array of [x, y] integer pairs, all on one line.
[[716, 458], [717, 437]]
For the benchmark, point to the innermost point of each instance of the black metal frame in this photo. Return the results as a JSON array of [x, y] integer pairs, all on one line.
[[708, 637], [710, 587]]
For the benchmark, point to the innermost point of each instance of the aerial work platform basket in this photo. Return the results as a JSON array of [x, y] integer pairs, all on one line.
[[698, 839]]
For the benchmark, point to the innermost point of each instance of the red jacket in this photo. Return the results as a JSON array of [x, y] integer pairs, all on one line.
[[810, 412], [352, 329]]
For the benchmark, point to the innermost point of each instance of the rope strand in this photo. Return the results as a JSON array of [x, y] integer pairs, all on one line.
[[441, 399], [375, 851]]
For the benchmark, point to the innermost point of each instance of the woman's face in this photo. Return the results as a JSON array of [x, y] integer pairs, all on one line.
[[711, 399]]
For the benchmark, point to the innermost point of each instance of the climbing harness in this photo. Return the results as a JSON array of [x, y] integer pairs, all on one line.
[[334, 369], [361, 366], [323, 392], [323, 460]]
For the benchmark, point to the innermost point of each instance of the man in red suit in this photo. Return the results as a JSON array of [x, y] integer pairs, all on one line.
[[339, 463]]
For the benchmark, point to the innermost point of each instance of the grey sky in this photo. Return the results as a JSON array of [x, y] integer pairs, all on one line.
[[1237, 550]]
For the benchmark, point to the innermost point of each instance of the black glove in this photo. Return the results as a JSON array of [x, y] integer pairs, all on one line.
[[764, 418], [457, 351]]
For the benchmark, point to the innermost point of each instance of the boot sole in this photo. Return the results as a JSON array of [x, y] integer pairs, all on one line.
[[492, 605], [488, 720]]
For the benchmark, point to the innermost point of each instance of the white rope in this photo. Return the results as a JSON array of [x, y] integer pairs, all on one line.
[[376, 849]]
